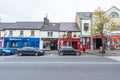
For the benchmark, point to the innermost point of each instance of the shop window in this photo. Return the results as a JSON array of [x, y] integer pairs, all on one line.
[[46, 44], [87, 41], [24, 44], [14, 45], [66, 43], [50, 34], [86, 26]]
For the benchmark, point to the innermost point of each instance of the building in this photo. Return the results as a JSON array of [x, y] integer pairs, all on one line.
[[69, 35], [84, 22], [49, 35], [21, 34]]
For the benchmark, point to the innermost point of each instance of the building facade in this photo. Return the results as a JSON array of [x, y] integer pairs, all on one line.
[[84, 21], [69, 35]]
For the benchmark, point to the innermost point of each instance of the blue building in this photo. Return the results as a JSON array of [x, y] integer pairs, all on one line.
[[17, 42]]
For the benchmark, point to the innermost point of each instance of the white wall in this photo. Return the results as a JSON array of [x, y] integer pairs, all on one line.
[[86, 32], [113, 9], [16, 33], [44, 34]]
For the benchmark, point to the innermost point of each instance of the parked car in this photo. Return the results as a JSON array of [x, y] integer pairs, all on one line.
[[29, 51], [68, 50], [6, 51]]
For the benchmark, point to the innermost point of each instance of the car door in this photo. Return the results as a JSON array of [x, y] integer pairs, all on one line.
[[28, 51]]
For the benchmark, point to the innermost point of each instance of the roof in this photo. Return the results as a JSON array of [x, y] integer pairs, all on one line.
[[113, 7], [84, 15], [21, 25], [69, 27], [51, 27], [65, 26]]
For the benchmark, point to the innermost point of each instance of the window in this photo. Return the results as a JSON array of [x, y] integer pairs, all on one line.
[[114, 15], [21, 33], [24, 44], [14, 44], [86, 26], [32, 33], [50, 34], [11, 33]]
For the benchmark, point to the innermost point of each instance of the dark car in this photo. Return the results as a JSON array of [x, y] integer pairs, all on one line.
[[68, 50], [29, 51]]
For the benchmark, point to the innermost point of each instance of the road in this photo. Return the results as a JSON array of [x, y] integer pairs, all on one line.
[[84, 67]]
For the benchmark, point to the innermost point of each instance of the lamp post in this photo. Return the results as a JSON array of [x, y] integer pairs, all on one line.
[[108, 41]]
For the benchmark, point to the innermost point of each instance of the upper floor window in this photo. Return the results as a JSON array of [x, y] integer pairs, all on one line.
[[114, 15], [32, 33], [50, 34], [21, 33], [11, 33], [86, 26]]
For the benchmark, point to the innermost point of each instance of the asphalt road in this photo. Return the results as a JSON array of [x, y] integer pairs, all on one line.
[[59, 68]]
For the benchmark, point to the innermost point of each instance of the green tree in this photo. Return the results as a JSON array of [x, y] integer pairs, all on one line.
[[102, 24]]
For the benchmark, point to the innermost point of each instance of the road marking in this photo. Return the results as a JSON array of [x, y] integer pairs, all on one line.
[[117, 58], [59, 62]]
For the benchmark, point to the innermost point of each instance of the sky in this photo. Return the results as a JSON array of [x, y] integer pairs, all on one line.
[[57, 10]]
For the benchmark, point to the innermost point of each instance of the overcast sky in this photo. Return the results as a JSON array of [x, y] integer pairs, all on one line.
[[57, 10]]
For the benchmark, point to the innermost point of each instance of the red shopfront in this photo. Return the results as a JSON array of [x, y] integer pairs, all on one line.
[[74, 42], [97, 41], [115, 42]]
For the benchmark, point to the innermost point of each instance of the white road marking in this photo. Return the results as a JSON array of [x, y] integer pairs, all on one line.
[[59, 62], [117, 58]]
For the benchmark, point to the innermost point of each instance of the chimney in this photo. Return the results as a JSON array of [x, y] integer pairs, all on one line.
[[46, 21]]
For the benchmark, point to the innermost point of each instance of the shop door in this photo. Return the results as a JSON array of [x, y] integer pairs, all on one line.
[[98, 43], [74, 45]]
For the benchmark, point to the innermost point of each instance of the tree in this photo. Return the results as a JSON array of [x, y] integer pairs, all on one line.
[[102, 24]]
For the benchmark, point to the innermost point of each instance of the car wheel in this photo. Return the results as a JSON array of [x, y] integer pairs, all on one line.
[[61, 54], [20, 54], [3, 54], [78, 54], [36, 54]]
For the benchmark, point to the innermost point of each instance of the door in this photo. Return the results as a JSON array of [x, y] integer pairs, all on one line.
[[74, 45]]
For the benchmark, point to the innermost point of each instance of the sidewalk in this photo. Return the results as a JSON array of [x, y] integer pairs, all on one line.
[[107, 53]]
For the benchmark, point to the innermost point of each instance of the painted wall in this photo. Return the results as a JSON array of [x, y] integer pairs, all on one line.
[[44, 34], [86, 33], [16, 33]]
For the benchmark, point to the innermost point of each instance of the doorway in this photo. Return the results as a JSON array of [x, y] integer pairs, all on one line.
[[74, 45], [98, 43]]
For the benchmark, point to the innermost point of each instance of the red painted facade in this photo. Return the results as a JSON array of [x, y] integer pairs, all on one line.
[[74, 42]]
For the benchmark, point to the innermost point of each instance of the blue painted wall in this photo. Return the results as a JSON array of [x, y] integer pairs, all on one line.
[[30, 42]]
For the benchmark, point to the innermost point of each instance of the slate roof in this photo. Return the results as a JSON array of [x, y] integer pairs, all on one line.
[[51, 27], [85, 15], [21, 25], [69, 27], [65, 26]]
